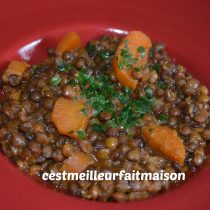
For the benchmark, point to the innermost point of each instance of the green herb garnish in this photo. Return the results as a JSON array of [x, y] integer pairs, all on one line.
[[90, 48], [71, 132], [163, 118], [127, 60], [161, 85], [83, 69], [55, 80], [81, 134], [75, 98], [156, 67], [35, 69], [149, 92], [84, 111], [137, 69], [104, 54], [124, 97], [132, 113], [141, 50], [98, 90], [113, 122], [101, 94], [63, 66], [72, 82], [98, 127]]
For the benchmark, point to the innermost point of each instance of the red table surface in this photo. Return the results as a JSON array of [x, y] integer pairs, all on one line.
[[183, 25]]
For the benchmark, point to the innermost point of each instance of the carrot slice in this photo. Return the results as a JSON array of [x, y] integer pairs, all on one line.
[[135, 41], [166, 141], [69, 42], [15, 68], [68, 117], [77, 162]]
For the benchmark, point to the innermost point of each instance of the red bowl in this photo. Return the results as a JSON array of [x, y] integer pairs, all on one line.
[[29, 27]]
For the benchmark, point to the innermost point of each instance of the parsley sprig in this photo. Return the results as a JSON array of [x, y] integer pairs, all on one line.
[[81, 134], [128, 59], [101, 94], [55, 80], [133, 112]]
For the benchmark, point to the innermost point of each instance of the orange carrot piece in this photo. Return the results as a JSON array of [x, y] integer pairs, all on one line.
[[77, 162], [134, 39], [68, 117], [69, 42], [16, 68], [166, 141]]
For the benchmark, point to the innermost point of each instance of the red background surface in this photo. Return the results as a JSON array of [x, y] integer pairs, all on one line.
[[183, 25]]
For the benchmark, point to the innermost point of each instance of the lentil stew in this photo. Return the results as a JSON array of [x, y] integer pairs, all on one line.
[[117, 103]]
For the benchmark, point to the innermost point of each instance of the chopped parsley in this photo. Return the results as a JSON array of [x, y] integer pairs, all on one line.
[[156, 67], [163, 118], [35, 69], [71, 132], [101, 94], [81, 134], [124, 97], [137, 69], [161, 85], [90, 48], [149, 92], [75, 98], [98, 127], [67, 67], [104, 54], [63, 66], [55, 80], [134, 110], [112, 123], [128, 59], [84, 111], [97, 90], [141, 50]]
